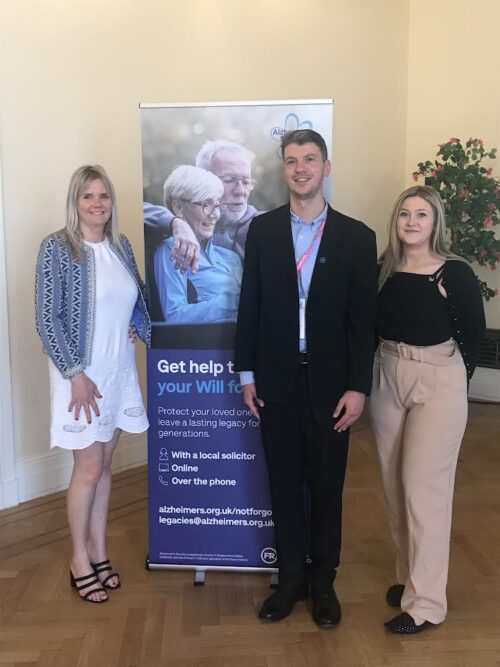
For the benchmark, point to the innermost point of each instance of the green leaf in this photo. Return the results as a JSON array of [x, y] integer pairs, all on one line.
[[462, 169]]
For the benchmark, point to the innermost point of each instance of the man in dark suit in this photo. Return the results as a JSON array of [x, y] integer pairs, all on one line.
[[304, 349]]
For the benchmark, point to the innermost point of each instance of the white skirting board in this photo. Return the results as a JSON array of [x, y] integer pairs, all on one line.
[[9, 496], [51, 473], [485, 385]]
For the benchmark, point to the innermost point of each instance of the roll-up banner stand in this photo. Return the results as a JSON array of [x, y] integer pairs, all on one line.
[[209, 502]]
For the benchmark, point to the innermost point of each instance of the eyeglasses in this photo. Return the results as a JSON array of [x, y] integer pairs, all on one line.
[[207, 207], [234, 180]]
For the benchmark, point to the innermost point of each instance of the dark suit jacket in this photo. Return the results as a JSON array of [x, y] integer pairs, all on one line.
[[340, 311]]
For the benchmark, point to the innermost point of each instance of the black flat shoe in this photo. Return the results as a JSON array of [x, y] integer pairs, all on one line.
[[105, 566], [326, 610], [280, 604], [394, 595], [405, 625], [80, 585]]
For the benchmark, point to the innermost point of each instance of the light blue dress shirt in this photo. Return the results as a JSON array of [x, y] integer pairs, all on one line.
[[303, 235]]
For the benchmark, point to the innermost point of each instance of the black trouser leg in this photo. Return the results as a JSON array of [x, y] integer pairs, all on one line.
[[326, 473], [298, 447], [281, 438]]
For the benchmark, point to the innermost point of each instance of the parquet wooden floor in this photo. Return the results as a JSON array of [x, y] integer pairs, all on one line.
[[159, 618]]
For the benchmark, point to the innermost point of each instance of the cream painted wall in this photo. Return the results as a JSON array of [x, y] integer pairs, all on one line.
[[71, 78], [454, 86]]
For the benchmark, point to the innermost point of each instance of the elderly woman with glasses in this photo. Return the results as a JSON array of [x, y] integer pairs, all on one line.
[[212, 293]]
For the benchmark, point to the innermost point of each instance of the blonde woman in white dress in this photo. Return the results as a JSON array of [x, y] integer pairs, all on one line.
[[90, 309]]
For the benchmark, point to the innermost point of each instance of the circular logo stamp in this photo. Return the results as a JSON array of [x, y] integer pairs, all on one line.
[[268, 555]]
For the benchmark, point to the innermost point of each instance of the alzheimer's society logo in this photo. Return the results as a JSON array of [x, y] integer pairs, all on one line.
[[268, 555], [292, 122]]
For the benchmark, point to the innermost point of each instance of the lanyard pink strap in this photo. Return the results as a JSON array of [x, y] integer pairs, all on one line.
[[302, 260]]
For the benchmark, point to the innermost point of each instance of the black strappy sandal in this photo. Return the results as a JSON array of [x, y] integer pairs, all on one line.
[[105, 566], [92, 580]]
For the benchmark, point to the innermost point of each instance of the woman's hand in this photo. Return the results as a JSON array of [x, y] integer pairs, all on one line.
[[83, 395], [132, 333]]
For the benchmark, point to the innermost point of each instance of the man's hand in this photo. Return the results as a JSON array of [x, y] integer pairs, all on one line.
[[83, 395], [251, 401], [352, 402], [186, 249]]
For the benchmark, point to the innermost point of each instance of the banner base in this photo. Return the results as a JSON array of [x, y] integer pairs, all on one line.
[[200, 570]]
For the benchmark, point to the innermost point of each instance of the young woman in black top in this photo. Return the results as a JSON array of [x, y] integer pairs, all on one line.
[[430, 323]]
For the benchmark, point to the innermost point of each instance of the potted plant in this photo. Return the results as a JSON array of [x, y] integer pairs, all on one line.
[[471, 197]]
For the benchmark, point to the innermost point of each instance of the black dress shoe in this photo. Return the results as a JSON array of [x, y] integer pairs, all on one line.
[[394, 595], [326, 610], [405, 625], [279, 605]]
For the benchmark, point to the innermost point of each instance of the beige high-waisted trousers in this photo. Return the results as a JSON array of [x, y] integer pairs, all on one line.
[[419, 411]]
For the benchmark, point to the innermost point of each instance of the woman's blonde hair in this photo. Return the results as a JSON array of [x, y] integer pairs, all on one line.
[[80, 180], [439, 245]]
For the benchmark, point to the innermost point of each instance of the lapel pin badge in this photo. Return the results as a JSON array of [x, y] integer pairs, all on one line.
[[322, 260]]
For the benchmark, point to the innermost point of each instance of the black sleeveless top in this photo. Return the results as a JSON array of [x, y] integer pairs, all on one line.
[[412, 310]]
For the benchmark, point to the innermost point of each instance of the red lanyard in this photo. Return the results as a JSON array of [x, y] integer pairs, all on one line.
[[302, 260]]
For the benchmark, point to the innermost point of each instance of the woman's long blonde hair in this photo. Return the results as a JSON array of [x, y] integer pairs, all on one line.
[[80, 180], [439, 245]]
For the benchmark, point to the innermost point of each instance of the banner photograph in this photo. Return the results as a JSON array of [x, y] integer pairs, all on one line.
[[208, 170]]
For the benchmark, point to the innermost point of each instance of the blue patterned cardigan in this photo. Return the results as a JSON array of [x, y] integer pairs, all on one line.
[[65, 301]]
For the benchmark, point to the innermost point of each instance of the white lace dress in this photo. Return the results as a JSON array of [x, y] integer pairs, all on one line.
[[112, 366]]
